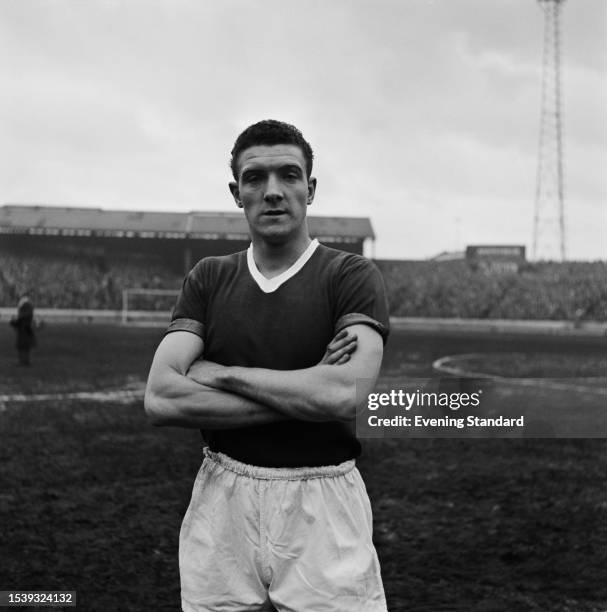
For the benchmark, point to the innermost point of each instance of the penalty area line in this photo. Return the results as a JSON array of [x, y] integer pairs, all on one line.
[[445, 365]]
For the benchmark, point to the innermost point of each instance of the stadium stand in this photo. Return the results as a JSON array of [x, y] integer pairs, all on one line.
[[61, 281], [83, 259], [545, 291]]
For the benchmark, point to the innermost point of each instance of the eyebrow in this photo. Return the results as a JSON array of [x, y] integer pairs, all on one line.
[[262, 168]]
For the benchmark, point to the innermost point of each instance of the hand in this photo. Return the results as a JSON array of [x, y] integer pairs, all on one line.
[[205, 372], [340, 348]]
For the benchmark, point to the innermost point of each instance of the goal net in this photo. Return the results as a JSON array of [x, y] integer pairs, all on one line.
[[148, 306]]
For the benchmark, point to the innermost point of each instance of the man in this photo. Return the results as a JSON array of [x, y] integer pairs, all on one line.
[[24, 326], [265, 353]]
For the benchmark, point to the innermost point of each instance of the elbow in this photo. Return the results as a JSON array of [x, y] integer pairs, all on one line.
[[340, 404], [345, 410], [155, 409]]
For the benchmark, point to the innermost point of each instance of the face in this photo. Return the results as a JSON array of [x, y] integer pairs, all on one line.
[[274, 192]]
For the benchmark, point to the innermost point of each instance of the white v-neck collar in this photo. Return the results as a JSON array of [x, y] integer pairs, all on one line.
[[269, 285]]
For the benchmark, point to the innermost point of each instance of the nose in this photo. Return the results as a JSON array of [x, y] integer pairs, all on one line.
[[273, 192]]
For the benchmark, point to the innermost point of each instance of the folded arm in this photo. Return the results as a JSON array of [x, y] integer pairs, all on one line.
[[174, 396], [320, 393]]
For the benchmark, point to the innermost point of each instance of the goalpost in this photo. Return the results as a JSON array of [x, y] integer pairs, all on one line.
[[147, 306]]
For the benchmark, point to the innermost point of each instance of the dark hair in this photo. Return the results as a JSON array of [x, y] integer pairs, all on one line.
[[270, 132]]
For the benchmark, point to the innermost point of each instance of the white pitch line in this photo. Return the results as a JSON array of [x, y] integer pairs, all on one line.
[[440, 365], [97, 396]]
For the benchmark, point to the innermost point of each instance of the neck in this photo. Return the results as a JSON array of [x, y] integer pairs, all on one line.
[[273, 259]]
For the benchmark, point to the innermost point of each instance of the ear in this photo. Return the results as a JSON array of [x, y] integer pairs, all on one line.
[[235, 193], [311, 189]]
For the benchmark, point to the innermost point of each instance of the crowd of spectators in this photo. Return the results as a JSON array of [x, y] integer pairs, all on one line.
[[545, 290], [64, 281]]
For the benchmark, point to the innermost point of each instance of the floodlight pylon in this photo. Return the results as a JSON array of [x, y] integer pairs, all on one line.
[[549, 232]]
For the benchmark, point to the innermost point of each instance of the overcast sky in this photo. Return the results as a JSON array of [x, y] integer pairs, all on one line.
[[423, 115]]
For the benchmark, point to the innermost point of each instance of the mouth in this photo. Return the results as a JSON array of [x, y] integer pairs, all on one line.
[[277, 212]]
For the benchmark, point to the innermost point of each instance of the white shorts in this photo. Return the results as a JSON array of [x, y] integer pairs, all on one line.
[[284, 539]]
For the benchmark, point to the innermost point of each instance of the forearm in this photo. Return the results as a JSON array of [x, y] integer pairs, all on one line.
[[182, 402], [328, 391], [320, 393]]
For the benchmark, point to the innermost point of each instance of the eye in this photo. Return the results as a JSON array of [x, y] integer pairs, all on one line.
[[250, 178]]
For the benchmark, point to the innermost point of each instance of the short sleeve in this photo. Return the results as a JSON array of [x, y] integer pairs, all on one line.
[[189, 312], [361, 297]]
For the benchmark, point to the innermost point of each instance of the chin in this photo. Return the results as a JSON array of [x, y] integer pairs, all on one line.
[[279, 234], [276, 238]]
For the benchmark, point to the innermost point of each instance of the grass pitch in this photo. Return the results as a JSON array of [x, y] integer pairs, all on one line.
[[91, 496]]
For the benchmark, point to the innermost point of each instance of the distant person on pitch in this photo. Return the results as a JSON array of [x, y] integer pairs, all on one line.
[[23, 323], [264, 354]]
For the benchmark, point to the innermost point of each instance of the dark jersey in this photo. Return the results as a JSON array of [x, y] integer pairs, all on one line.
[[282, 324], [24, 326]]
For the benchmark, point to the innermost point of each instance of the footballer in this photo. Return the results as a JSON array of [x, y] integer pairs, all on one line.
[[264, 354]]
